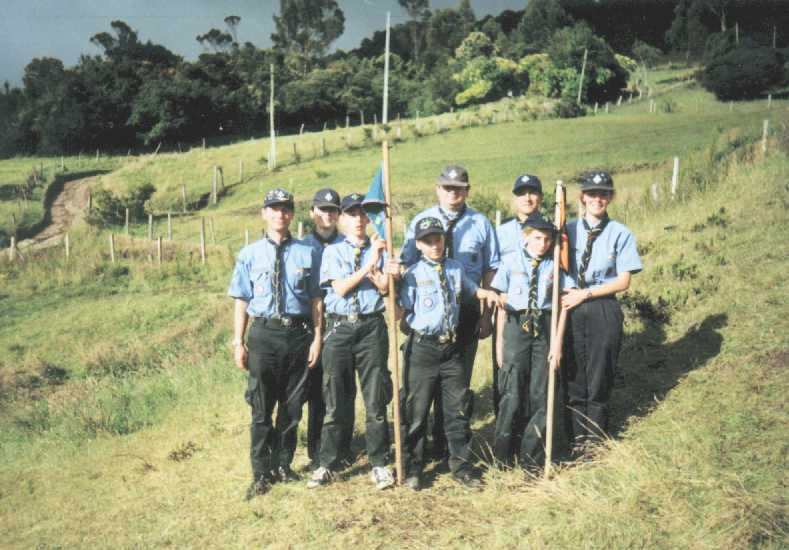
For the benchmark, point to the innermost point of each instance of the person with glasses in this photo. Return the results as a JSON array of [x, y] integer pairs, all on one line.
[[603, 258], [356, 343], [471, 240], [275, 283], [325, 213]]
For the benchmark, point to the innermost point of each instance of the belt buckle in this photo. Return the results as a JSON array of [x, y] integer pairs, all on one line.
[[353, 317], [525, 327], [286, 321]]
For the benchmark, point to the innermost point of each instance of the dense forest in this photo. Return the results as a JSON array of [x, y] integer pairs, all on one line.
[[137, 93]]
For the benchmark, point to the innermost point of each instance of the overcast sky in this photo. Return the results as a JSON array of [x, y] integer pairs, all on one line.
[[62, 28]]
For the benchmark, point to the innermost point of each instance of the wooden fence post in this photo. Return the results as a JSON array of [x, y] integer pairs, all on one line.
[[675, 178], [213, 188], [295, 153], [655, 196], [90, 201], [595, 107], [301, 230], [606, 107], [769, 101], [150, 227], [97, 155], [246, 236], [765, 132], [203, 144], [112, 247], [169, 226], [12, 249], [323, 146], [619, 101], [159, 250], [301, 130], [126, 224], [202, 240], [183, 196], [66, 245]]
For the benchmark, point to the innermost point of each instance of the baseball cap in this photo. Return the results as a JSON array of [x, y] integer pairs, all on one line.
[[596, 180], [278, 196], [454, 175], [428, 226], [526, 182], [326, 198]]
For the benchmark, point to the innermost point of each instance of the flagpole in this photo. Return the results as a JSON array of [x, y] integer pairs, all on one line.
[[559, 213], [394, 356]]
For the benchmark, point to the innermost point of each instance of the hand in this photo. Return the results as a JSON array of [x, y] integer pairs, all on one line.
[[573, 296], [240, 357], [379, 279], [377, 245], [555, 358], [314, 353], [392, 267], [485, 327]]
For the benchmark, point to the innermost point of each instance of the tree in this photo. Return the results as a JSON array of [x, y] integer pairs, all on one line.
[[216, 40], [232, 22], [540, 20], [306, 28], [743, 72], [419, 10]]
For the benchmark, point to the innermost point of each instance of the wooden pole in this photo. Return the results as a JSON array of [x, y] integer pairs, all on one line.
[[183, 196], [555, 312], [272, 157], [246, 236], [159, 250], [301, 230], [323, 146], [112, 247], [655, 196], [202, 240], [769, 101], [90, 201], [12, 249], [295, 153], [596, 104], [150, 227], [169, 226], [301, 130], [213, 188], [67, 245], [583, 72], [675, 178], [606, 107], [126, 223]]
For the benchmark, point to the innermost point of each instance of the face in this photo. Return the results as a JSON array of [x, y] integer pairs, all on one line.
[[527, 202], [538, 242], [432, 246], [450, 196], [278, 217], [355, 221], [325, 217], [596, 201]]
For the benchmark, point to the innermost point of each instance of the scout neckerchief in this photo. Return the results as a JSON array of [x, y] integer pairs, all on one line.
[[531, 324], [357, 265], [277, 281], [592, 234], [450, 220], [321, 240], [446, 296]]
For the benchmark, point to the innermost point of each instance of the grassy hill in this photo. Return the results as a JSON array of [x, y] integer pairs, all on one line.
[[123, 420]]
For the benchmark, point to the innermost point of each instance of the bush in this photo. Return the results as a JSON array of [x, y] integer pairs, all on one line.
[[568, 108], [111, 209], [743, 73]]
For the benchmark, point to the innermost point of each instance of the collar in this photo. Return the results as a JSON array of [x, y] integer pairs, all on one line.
[[285, 240], [364, 244], [452, 216], [325, 241], [603, 222]]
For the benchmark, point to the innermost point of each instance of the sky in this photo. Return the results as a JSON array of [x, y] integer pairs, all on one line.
[[62, 28]]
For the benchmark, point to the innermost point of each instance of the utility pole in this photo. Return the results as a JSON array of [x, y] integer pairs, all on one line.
[[272, 156]]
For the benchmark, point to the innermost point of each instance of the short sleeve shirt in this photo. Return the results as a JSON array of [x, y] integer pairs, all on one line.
[[613, 252], [514, 279], [338, 263]]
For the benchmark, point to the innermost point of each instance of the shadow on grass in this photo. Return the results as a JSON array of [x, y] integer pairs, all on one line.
[[649, 367]]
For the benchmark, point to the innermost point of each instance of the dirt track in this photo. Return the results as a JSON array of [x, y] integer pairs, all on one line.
[[67, 208]]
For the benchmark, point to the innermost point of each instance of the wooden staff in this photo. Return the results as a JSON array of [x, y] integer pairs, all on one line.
[[555, 311]]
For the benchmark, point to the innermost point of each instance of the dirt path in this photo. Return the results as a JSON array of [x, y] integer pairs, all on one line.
[[67, 208]]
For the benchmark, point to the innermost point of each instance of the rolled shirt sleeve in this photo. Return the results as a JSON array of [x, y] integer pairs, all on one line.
[[241, 282]]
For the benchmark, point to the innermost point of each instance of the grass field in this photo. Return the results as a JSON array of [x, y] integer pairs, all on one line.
[[124, 425]]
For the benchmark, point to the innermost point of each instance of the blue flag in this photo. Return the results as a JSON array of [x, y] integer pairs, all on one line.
[[374, 204]]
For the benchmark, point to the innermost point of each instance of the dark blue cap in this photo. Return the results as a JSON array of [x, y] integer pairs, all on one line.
[[278, 196], [596, 180], [454, 175], [537, 221], [351, 201], [326, 198], [428, 226], [526, 182]]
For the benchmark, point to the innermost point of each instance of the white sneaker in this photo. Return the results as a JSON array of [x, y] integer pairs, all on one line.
[[321, 476], [382, 477]]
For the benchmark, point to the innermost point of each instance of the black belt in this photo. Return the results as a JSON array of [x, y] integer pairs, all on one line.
[[286, 321], [446, 338], [353, 317]]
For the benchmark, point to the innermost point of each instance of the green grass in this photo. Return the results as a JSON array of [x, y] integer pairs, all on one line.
[[109, 371]]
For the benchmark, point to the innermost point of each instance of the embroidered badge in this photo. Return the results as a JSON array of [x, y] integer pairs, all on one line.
[[327, 196], [453, 174], [428, 302], [597, 178]]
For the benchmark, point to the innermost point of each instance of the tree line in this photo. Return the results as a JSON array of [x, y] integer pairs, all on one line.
[[137, 93]]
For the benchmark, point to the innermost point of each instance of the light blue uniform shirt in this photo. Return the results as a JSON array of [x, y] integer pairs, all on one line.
[[253, 278], [422, 299], [514, 277], [474, 242], [314, 241], [510, 235], [338, 263], [613, 252]]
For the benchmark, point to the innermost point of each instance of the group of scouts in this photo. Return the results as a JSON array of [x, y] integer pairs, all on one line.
[[309, 318]]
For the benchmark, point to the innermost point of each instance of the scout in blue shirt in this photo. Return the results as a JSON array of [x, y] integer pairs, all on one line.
[[471, 240], [324, 212], [526, 281], [603, 256], [356, 342], [430, 296], [526, 199], [275, 282]]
